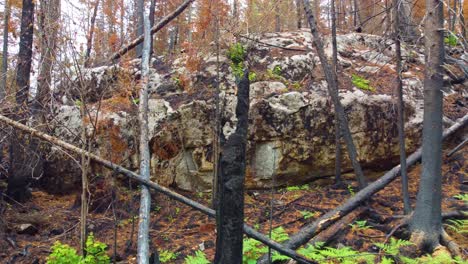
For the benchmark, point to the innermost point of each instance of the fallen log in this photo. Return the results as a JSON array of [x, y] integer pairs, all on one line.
[[310, 230], [457, 148], [163, 22], [249, 231]]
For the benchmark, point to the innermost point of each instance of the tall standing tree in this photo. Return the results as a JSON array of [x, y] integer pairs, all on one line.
[[89, 42], [145, 201], [331, 78], [3, 79], [401, 110], [337, 121], [427, 220], [49, 24], [20, 171], [140, 12]]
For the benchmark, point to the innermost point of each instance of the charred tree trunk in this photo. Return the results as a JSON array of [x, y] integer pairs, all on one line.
[[140, 12], [333, 92], [401, 116], [230, 202], [6, 20], [337, 121], [22, 168], [152, 18], [145, 202], [426, 225], [49, 23], [298, 14], [89, 42]]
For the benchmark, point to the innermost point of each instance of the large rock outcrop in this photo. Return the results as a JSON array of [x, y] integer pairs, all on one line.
[[291, 132]]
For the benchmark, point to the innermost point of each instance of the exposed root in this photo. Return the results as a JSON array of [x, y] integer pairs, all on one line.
[[452, 246]]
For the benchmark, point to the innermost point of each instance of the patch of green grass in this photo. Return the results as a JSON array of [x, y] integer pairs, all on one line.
[[362, 83], [308, 214], [297, 188]]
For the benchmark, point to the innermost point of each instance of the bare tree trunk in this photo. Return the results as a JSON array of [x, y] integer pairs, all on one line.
[[332, 90], [298, 14], [230, 202], [462, 20], [189, 23], [89, 42], [152, 18], [407, 25], [235, 9], [427, 221], [6, 20], [401, 121], [49, 23], [145, 202], [357, 16], [84, 185], [140, 27], [337, 121], [20, 171], [277, 16]]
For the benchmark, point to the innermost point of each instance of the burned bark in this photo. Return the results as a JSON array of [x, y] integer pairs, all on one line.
[[230, 191], [426, 225]]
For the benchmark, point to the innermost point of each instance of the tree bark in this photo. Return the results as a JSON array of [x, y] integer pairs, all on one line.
[[152, 18], [145, 201], [333, 92], [401, 121], [21, 170], [427, 221], [6, 20], [230, 192], [298, 14], [337, 121], [89, 42], [310, 230], [249, 231], [163, 22], [277, 16], [49, 23], [140, 27]]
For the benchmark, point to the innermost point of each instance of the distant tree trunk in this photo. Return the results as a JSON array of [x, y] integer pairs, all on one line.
[[462, 20], [235, 9], [189, 23], [454, 17], [89, 42], [277, 17], [230, 202], [337, 121], [140, 19], [356, 14], [407, 26], [401, 121], [332, 90], [298, 14], [3, 80], [427, 221], [20, 171], [49, 23], [151, 18], [145, 202]]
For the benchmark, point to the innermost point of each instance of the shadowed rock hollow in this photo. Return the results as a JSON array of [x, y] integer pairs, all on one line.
[[291, 131]]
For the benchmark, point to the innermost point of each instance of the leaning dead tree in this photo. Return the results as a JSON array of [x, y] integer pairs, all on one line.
[[145, 200], [163, 22], [310, 230], [330, 76], [249, 231], [231, 177]]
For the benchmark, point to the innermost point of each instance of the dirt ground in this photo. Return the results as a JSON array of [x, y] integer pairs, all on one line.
[[180, 229]]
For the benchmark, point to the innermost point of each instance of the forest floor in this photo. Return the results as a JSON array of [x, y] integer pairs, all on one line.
[[181, 230]]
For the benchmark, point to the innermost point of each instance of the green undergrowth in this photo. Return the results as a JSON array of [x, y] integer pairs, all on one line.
[[362, 83], [65, 254]]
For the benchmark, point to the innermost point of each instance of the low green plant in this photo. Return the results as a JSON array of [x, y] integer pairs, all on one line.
[[462, 196], [199, 258], [459, 226], [451, 40], [253, 249], [275, 73], [64, 254], [252, 76], [165, 256], [308, 214], [344, 255], [393, 248], [297, 188], [236, 53], [351, 190], [359, 225], [362, 83]]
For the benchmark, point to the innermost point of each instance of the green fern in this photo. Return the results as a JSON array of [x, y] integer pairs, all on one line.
[[393, 248], [199, 258], [458, 225], [362, 83], [462, 196]]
